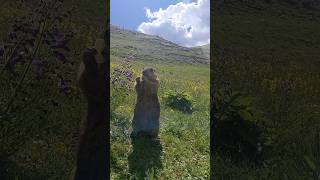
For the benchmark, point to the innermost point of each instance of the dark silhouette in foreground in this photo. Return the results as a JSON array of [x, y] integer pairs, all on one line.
[[145, 156], [92, 154]]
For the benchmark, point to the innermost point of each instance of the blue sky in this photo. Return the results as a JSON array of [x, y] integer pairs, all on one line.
[[131, 13], [185, 22]]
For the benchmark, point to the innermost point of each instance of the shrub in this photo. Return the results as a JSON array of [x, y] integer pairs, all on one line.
[[236, 129], [181, 101]]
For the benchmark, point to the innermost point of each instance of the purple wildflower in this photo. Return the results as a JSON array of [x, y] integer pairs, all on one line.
[[122, 76], [63, 86], [128, 74]]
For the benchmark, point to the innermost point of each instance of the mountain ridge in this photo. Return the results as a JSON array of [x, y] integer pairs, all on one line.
[[151, 47]]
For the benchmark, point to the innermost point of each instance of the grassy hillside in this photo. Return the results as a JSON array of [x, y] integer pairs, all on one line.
[[205, 49], [183, 152], [270, 52], [153, 47]]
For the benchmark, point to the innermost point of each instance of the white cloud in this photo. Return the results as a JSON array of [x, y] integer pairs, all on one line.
[[186, 23]]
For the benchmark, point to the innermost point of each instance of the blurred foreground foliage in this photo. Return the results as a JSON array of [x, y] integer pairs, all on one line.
[[40, 103]]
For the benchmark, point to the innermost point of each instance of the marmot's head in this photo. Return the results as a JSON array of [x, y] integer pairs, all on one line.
[[149, 73], [92, 73]]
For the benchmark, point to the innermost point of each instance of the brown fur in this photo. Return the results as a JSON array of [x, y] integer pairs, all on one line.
[[92, 150], [147, 110]]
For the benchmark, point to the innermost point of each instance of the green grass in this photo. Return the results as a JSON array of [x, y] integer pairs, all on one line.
[[184, 138], [42, 137], [272, 55]]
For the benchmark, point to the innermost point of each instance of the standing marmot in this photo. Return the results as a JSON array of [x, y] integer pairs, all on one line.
[[147, 110], [92, 155]]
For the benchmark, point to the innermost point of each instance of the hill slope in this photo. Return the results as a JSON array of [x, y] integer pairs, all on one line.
[[152, 47], [205, 49], [264, 30], [270, 52]]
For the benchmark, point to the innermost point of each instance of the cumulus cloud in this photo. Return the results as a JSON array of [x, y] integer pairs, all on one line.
[[186, 23]]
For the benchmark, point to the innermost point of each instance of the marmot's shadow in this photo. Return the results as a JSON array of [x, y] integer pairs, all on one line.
[[145, 156]]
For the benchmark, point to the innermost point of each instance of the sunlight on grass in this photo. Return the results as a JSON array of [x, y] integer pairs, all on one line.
[[184, 138]]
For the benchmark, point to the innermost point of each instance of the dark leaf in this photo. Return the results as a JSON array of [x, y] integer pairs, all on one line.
[[13, 35], [60, 56], [1, 51], [30, 42]]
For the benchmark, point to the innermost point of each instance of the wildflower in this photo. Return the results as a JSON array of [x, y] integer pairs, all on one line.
[[63, 86]]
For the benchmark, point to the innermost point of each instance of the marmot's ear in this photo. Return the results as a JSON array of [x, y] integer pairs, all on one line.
[[138, 79]]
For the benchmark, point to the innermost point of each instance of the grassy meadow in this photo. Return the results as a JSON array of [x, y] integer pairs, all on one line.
[[183, 152], [269, 52]]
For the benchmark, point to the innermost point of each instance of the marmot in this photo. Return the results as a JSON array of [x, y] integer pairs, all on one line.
[[92, 155], [147, 109]]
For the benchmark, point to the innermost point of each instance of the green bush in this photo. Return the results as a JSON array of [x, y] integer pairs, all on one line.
[[237, 133], [181, 101]]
